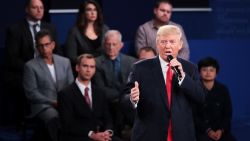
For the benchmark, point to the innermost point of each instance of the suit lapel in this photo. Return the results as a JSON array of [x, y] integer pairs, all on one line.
[[94, 98], [58, 71], [44, 25], [28, 35], [80, 99], [46, 70], [157, 72], [124, 67], [107, 68]]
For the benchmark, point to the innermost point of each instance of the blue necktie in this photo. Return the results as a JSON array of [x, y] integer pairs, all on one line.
[[116, 67]]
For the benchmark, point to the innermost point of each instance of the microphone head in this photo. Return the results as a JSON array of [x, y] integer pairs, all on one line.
[[170, 57]]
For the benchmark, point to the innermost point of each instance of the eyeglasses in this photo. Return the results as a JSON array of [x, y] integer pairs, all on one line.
[[44, 45], [165, 42]]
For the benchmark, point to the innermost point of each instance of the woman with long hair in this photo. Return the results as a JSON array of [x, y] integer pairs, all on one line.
[[87, 34]]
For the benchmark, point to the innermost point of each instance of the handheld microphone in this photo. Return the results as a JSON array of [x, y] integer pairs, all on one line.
[[175, 68]]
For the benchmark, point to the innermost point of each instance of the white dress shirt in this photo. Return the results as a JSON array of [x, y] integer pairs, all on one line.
[[164, 68], [52, 71]]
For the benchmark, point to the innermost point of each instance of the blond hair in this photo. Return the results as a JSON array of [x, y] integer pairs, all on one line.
[[167, 30]]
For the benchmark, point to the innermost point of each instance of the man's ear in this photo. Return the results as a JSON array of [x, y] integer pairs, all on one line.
[[122, 44], [77, 68], [155, 11], [181, 44], [53, 44]]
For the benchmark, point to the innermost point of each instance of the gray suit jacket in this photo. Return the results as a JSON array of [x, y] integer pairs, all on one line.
[[39, 87], [105, 77]]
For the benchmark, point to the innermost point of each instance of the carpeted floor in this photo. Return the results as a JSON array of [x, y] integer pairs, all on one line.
[[240, 129], [14, 134]]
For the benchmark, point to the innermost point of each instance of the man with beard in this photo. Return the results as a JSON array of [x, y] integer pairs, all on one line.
[[146, 33]]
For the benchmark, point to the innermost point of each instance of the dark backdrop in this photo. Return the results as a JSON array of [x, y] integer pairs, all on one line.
[[223, 33]]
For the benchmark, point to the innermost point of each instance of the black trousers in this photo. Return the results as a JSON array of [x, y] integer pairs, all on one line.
[[50, 120]]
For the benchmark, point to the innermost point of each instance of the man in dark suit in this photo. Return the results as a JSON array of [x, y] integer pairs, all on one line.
[[111, 75], [164, 106], [83, 107], [43, 77], [20, 48]]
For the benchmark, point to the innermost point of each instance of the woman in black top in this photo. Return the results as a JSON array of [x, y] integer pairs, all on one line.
[[87, 34]]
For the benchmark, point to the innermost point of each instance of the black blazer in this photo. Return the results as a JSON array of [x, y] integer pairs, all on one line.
[[76, 116], [152, 117], [20, 49], [216, 113], [76, 44]]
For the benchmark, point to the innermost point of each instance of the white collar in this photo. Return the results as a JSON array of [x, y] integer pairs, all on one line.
[[31, 23], [163, 63], [82, 86]]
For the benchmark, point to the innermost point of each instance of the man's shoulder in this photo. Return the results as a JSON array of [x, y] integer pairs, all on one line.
[[47, 25], [68, 90], [187, 63], [176, 24], [147, 24], [18, 26], [61, 60], [128, 58], [32, 61], [101, 62], [189, 67], [147, 62], [96, 88], [70, 87], [100, 58], [59, 57], [105, 27]]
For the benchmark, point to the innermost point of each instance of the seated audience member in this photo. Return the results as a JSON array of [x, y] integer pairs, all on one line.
[[87, 34], [146, 53], [146, 33], [83, 108], [20, 48], [214, 117], [112, 72], [43, 77]]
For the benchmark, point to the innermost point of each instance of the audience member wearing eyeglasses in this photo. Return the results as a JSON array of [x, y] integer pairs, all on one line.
[[44, 76]]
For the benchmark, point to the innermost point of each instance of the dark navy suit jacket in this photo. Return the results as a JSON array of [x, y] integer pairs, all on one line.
[[152, 113]]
